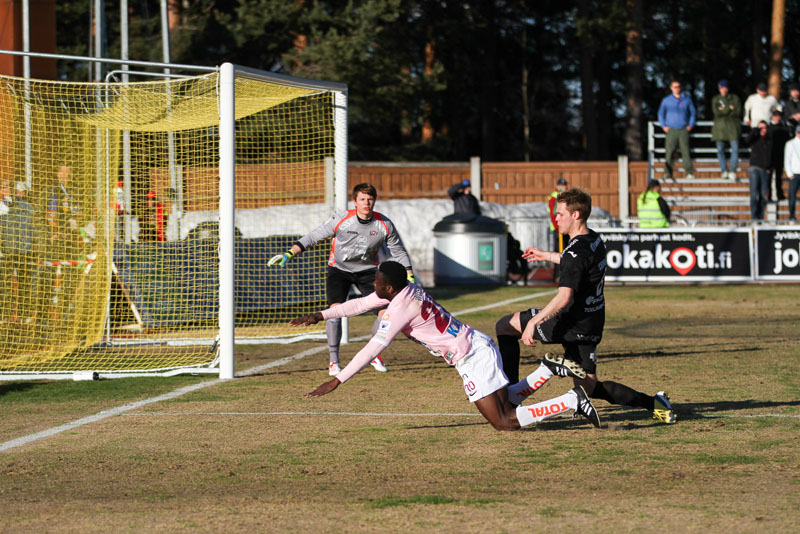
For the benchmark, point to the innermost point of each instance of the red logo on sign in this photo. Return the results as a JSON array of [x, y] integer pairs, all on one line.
[[682, 260]]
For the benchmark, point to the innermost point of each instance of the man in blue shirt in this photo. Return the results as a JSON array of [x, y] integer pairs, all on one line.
[[677, 117]]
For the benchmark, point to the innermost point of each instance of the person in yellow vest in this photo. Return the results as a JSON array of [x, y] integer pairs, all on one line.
[[652, 209], [558, 240], [561, 185]]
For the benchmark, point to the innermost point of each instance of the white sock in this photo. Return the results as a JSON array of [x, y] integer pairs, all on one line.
[[533, 413], [523, 389]]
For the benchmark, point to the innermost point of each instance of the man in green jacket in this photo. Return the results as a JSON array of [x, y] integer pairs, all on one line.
[[727, 127]]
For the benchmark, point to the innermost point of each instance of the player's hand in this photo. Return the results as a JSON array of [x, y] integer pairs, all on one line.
[[306, 320], [535, 254], [410, 277], [527, 335], [281, 259], [325, 388]]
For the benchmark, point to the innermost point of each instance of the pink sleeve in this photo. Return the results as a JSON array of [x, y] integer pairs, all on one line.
[[396, 318], [360, 360], [355, 307]]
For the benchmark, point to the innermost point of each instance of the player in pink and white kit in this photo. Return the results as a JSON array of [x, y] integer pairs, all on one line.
[[410, 310]]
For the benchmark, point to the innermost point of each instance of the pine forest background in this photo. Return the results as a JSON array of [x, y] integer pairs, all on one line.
[[514, 80]]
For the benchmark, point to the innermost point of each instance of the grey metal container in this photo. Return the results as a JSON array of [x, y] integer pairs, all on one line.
[[469, 250]]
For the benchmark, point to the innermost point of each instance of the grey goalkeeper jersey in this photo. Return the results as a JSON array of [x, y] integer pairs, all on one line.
[[356, 243]]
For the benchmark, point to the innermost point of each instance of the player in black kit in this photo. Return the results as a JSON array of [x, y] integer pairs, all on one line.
[[574, 318]]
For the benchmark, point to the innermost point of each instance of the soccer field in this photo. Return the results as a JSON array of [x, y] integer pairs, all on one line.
[[405, 451]]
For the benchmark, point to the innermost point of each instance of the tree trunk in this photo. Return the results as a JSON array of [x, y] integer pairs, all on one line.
[[758, 32], [587, 85], [526, 109], [776, 47], [634, 75], [604, 116]]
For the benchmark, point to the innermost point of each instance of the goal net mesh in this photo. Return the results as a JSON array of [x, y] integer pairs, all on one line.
[[109, 197]]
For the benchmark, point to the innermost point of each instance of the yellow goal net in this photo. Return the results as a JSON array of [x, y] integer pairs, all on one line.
[[110, 218]]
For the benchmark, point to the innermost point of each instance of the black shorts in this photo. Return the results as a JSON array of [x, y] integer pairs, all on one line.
[[338, 283], [579, 348]]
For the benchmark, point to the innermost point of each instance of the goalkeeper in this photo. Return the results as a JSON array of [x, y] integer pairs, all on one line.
[[358, 236]]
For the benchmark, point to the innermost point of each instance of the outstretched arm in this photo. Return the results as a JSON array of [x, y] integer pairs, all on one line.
[[535, 254]]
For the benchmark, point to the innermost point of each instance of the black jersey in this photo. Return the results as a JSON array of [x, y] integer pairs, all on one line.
[[583, 269]]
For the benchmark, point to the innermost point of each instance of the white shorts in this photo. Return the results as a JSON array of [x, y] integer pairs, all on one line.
[[481, 369]]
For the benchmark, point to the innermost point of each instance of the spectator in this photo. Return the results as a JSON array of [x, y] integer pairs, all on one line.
[[677, 115], [16, 231], [791, 108], [652, 209], [758, 106], [727, 109], [760, 143], [5, 206], [780, 134], [152, 227], [463, 199], [792, 165], [5, 196], [59, 284], [561, 185]]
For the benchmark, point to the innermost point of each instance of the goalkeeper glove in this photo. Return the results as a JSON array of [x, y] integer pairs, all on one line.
[[281, 259], [410, 278]]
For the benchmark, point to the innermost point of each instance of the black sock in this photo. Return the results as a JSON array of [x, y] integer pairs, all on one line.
[[509, 351], [615, 393]]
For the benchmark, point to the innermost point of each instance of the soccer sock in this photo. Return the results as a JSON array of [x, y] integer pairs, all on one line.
[[509, 351], [527, 415], [527, 386], [615, 393], [333, 329]]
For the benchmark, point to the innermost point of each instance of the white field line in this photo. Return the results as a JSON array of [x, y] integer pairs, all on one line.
[[440, 414], [105, 414]]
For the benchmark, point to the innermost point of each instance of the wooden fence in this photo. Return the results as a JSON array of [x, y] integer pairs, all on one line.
[[504, 183]]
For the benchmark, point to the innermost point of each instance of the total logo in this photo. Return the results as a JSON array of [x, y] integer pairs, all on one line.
[[682, 259]]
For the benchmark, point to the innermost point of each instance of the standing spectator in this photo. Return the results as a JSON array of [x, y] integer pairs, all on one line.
[[152, 227], [652, 209], [552, 201], [64, 245], [677, 115], [5, 196], [758, 106], [791, 108], [727, 109], [358, 236], [792, 165], [16, 236], [780, 134], [463, 199], [760, 144], [6, 298]]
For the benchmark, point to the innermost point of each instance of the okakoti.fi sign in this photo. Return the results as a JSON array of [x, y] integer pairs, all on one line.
[[668, 254]]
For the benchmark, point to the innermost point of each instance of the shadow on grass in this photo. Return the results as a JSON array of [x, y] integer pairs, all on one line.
[[16, 387], [694, 411]]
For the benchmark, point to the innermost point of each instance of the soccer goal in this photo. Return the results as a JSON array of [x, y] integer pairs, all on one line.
[[137, 217]]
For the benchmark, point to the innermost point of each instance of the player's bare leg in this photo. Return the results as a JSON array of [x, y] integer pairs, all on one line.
[[509, 331]]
